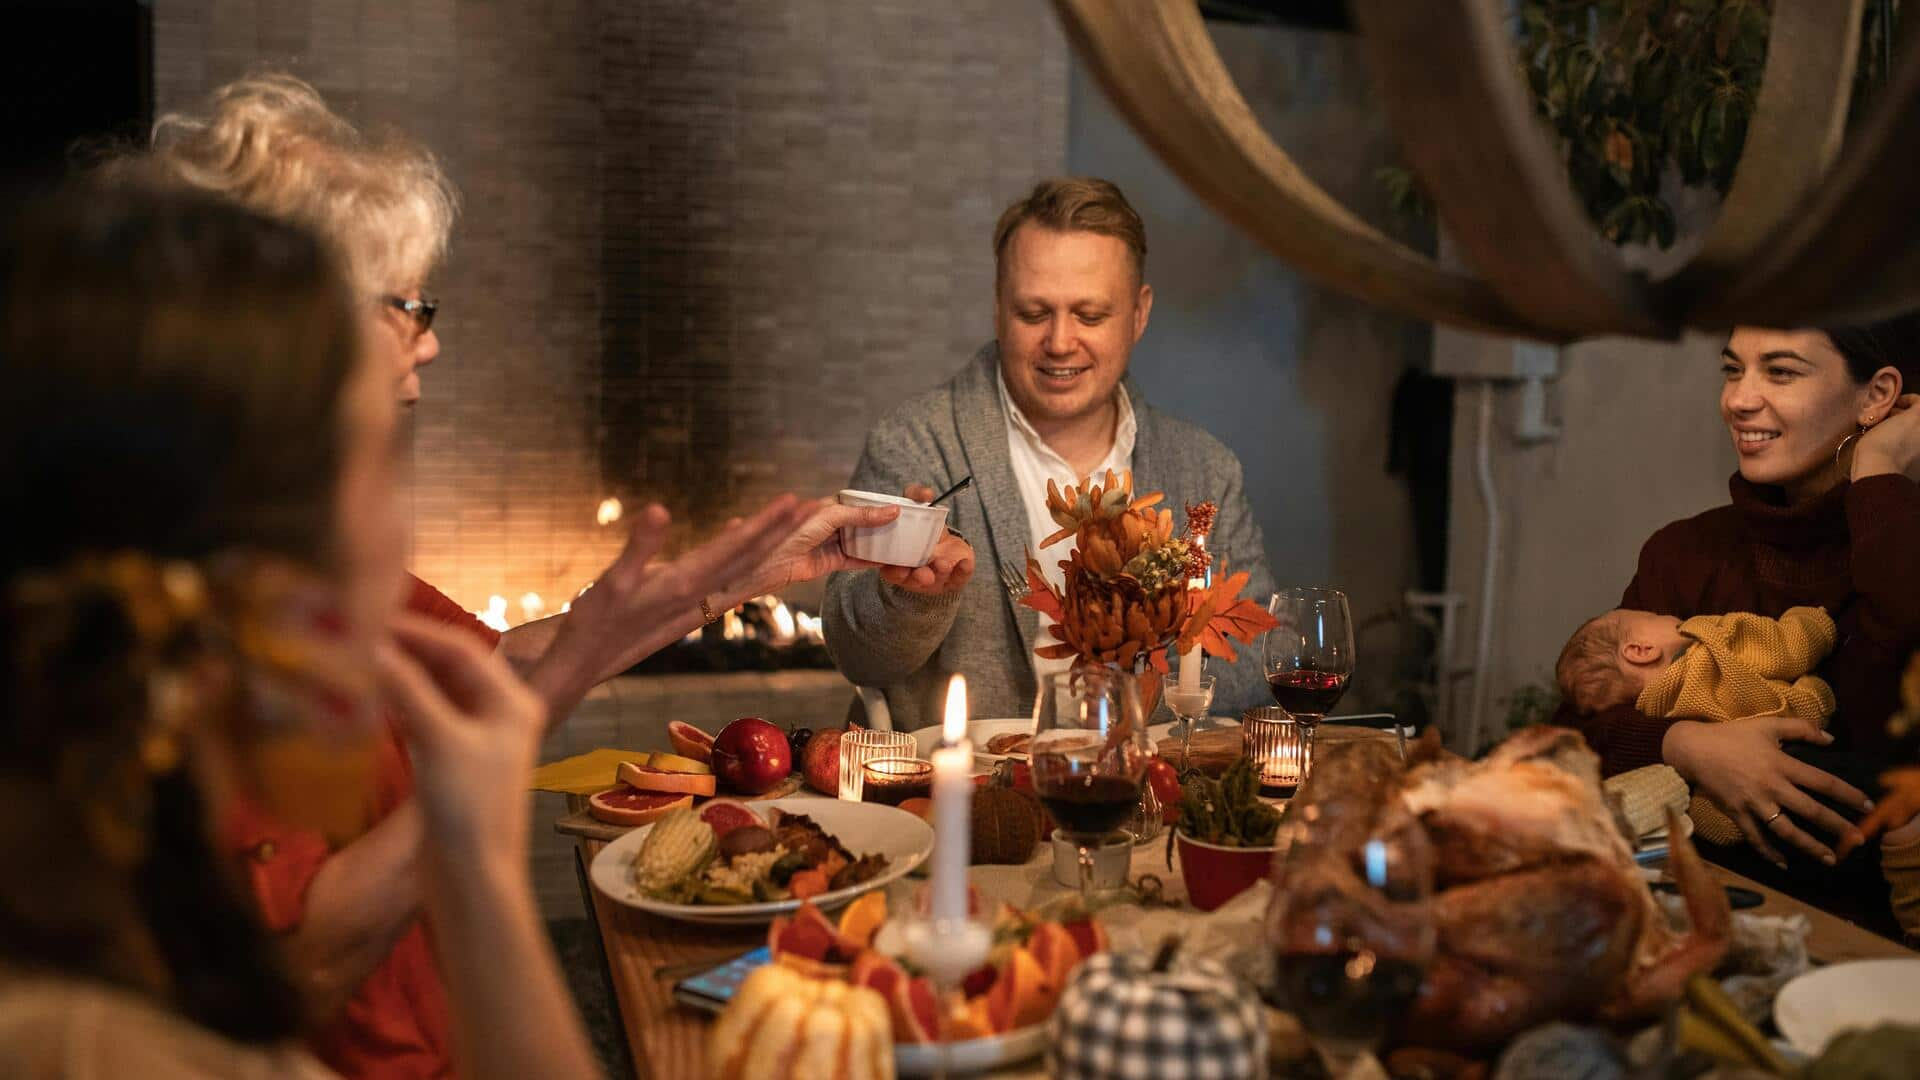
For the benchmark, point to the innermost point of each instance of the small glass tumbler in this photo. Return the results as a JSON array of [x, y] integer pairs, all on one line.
[[859, 747], [1281, 747], [892, 781]]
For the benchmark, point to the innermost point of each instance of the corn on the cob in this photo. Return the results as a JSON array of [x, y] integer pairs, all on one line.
[[1645, 795], [679, 844]]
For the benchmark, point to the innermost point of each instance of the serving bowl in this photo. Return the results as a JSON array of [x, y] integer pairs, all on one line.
[[907, 540]]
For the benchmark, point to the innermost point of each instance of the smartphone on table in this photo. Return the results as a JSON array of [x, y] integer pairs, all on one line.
[[713, 988]]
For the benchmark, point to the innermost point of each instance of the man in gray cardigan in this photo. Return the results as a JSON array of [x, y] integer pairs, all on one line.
[[1048, 399]]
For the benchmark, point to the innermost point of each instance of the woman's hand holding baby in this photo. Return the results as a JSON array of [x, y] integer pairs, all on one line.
[[1741, 767]]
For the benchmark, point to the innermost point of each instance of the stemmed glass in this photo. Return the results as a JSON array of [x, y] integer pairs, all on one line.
[[1309, 655], [1090, 752], [1189, 707], [1352, 929]]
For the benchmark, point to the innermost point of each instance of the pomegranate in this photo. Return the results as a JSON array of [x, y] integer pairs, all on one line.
[[821, 763], [751, 755]]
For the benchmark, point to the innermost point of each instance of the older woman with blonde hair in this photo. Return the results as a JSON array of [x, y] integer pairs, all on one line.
[[348, 914]]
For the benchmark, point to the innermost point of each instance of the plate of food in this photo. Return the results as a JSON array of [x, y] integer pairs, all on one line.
[[992, 739], [997, 1017], [732, 863]]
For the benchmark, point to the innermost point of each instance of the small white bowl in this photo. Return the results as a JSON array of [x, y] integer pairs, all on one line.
[[908, 540], [1111, 861]]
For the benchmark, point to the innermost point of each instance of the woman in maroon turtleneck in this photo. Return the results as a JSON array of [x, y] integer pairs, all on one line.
[[1825, 512]]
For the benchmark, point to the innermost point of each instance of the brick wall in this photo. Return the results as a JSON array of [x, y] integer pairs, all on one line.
[[705, 244]]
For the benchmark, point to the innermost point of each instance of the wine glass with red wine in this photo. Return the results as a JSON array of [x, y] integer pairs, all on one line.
[[1309, 655], [1352, 930], [1090, 752]]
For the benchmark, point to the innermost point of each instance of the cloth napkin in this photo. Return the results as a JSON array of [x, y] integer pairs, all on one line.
[[582, 774]]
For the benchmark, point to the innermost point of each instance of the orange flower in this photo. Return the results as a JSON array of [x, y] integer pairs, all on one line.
[[1126, 597]]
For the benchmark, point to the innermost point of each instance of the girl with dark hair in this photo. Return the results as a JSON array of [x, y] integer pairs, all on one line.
[[200, 577], [1825, 513]]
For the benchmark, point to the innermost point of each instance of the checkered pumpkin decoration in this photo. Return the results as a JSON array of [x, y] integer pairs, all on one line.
[[1121, 1020]]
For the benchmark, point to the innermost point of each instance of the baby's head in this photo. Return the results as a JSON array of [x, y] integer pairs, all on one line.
[[1610, 659]]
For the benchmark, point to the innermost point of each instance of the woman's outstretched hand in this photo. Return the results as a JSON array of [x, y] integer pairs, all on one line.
[[813, 551], [1741, 767]]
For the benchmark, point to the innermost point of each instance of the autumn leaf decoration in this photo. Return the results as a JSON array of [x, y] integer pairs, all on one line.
[[1126, 598]]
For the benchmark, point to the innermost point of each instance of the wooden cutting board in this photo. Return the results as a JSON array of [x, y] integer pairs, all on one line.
[[582, 823], [1212, 751]]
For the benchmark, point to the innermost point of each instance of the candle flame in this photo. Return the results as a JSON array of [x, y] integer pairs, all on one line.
[[783, 623], [955, 728], [532, 607], [610, 511], [496, 614]]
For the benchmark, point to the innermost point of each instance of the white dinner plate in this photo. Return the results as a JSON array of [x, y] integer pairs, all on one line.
[[1813, 1008], [973, 1055], [861, 828], [927, 739]]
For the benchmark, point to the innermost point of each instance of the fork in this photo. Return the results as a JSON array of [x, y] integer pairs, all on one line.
[[1014, 580]]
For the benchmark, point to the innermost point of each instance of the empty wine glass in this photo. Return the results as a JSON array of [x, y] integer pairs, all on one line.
[[1352, 929], [1309, 655], [1090, 752]]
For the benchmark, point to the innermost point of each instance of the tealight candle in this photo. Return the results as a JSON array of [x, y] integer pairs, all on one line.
[[1280, 746], [952, 809]]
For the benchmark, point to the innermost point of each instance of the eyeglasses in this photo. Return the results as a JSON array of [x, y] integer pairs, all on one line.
[[420, 311]]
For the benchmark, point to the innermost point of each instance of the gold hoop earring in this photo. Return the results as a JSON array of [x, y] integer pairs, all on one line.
[[1842, 448]]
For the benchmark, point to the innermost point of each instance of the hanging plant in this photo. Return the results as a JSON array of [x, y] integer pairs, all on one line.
[[1634, 89]]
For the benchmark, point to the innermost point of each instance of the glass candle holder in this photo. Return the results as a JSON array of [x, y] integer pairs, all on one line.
[[859, 747], [892, 781], [1280, 746]]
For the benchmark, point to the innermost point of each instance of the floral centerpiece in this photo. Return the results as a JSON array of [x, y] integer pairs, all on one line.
[[1132, 589]]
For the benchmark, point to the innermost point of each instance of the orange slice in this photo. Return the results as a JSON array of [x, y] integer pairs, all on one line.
[[862, 919]]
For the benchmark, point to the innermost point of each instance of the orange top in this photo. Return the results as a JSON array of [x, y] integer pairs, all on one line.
[[396, 1027]]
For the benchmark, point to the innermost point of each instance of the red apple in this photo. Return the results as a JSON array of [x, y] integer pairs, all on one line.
[[1166, 787], [751, 755]]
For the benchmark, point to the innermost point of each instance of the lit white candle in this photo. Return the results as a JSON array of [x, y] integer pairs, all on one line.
[[1190, 660], [952, 809]]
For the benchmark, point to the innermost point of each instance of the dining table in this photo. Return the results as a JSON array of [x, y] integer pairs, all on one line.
[[647, 954]]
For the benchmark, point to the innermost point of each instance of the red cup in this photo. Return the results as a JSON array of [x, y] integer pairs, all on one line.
[[1215, 874]]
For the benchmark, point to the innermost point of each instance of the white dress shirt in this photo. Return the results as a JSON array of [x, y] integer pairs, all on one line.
[[1035, 463]]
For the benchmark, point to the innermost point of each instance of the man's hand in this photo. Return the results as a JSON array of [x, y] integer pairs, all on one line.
[[949, 569]]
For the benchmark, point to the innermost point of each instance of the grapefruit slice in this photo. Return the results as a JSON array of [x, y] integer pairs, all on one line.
[[877, 973], [726, 815], [648, 778], [807, 933], [969, 1020], [1088, 935], [793, 937], [915, 1006], [1056, 952], [690, 741], [627, 806]]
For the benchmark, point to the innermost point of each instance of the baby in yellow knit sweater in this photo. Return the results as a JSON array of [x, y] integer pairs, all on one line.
[[1719, 667]]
